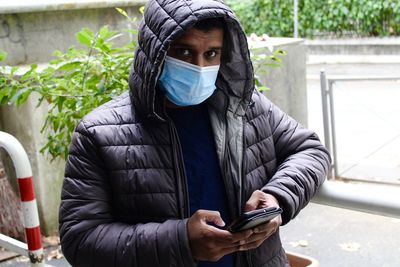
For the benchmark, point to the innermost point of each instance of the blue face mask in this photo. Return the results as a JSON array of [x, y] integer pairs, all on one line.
[[186, 84]]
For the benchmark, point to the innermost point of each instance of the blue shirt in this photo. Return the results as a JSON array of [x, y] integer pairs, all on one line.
[[205, 184]]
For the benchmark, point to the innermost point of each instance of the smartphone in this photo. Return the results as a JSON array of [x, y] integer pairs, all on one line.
[[253, 218]]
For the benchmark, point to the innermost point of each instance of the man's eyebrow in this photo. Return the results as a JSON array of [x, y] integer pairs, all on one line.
[[216, 48], [186, 45], [182, 45]]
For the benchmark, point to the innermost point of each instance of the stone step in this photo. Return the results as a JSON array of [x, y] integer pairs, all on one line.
[[363, 46]]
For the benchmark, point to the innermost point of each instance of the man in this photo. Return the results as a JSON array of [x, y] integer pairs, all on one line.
[[153, 176]]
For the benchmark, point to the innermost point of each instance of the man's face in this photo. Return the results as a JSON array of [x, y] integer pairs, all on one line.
[[198, 47]]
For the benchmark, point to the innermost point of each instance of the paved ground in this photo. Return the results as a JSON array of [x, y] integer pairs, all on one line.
[[343, 238], [368, 147]]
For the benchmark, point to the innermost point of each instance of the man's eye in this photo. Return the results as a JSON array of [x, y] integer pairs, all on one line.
[[183, 52], [211, 54]]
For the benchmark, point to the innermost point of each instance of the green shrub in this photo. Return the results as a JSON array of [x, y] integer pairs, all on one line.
[[263, 16], [316, 17], [72, 84]]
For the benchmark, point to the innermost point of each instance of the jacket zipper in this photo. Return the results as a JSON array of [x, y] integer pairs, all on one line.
[[225, 167], [183, 195], [247, 253]]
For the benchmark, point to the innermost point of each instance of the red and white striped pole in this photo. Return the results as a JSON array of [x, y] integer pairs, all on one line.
[[27, 193]]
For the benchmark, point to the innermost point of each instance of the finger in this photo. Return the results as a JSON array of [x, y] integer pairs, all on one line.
[[272, 225], [254, 201], [268, 227], [242, 235], [227, 238], [251, 245], [255, 238], [211, 216]]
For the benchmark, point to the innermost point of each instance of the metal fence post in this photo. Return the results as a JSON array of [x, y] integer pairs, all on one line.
[[333, 128], [28, 203], [325, 114]]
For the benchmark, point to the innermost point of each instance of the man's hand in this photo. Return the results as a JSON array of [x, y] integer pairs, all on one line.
[[259, 200], [209, 243]]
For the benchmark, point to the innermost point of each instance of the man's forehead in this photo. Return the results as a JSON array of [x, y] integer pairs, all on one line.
[[192, 36]]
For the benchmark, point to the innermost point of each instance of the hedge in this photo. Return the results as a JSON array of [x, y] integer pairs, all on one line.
[[320, 17]]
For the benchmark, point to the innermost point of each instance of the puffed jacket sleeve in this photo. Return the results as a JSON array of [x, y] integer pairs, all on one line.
[[90, 236], [302, 160]]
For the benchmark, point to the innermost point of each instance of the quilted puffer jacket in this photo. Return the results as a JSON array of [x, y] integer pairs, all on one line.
[[125, 197]]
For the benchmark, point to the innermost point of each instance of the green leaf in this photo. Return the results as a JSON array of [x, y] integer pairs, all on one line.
[[263, 88], [281, 52], [21, 96], [58, 54], [3, 55], [69, 66], [104, 33], [14, 69], [4, 96], [92, 82], [122, 12], [27, 75], [85, 36], [60, 102]]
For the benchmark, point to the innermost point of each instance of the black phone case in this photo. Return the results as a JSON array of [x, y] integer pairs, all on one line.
[[253, 218]]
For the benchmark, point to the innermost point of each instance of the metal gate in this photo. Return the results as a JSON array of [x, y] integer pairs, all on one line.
[[328, 87]]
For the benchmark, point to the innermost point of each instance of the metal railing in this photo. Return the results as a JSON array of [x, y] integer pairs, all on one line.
[[328, 110], [367, 197], [33, 249]]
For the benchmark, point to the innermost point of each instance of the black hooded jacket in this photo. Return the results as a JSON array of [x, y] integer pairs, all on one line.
[[124, 197]]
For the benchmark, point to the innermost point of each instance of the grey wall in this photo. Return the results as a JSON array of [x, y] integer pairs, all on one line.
[[288, 82], [32, 37]]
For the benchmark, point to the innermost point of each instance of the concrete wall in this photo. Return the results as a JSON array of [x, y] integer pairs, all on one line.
[[288, 82], [32, 36]]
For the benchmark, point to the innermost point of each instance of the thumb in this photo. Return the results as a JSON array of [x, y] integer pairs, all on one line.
[[251, 204], [213, 217]]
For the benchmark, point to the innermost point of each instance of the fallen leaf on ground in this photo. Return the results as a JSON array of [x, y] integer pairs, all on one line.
[[300, 243], [54, 254], [51, 240], [353, 246], [22, 259]]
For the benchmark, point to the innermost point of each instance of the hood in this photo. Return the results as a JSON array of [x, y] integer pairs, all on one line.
[[162, 23]]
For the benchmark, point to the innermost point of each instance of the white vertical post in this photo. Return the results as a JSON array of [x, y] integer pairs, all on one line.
[[325, 114], [28, 200]]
